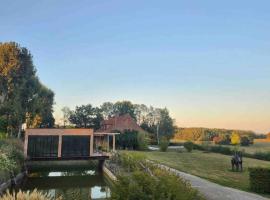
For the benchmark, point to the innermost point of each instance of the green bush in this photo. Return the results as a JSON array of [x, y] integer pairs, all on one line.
[[142, 141], [188, 146], [164, 143], [221, 149], [245, 141], [127, 140], [261, 155], [259, 179], [159, 186]]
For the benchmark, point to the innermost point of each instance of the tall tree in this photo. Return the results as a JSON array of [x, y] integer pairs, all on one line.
[[19, 86], [124, 107], [66, 114], [86, 116], [107, 109]]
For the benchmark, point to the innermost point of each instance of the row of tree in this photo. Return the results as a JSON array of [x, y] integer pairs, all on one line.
[[218, 136], [23, 98], [153, 120]]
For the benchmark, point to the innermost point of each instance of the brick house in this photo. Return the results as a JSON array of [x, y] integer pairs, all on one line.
[[120, 123]]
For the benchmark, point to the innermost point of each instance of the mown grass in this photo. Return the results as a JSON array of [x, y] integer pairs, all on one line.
[[211, 166]]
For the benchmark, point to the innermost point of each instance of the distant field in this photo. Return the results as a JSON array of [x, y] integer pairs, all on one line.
[[262, 147], [257, 146], [211, 166]]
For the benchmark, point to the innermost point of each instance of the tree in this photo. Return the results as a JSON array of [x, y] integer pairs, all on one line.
[[235, 138], [23, 97], [124, 107], [245, 141], [107, 109], [86, 116], [66, 114], [166, 127]]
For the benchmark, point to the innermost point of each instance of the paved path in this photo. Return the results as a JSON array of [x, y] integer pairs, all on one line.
[[213, 191]]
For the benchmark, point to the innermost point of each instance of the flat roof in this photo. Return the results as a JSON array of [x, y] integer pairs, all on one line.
[[59, 131]]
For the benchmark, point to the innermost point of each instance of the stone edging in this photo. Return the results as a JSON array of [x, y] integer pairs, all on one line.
[[109, 174]]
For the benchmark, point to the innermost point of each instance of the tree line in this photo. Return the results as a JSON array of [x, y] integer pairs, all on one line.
[[219, 136], [153, 120], [23, 98]]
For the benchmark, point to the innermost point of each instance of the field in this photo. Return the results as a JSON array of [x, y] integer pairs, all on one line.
[[256, 147], [211, 166]]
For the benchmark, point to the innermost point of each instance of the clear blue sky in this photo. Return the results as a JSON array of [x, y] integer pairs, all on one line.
[[207, 61]]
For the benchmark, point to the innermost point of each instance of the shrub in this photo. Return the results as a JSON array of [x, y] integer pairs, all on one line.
[[245, 141], [142, 141], [160, 186], [35, 195], [259, 179], [221, 149], [188, 146], [164, 143], [261, 155], [127, 140]]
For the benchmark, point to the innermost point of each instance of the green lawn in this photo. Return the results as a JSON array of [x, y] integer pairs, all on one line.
[[211, 166]]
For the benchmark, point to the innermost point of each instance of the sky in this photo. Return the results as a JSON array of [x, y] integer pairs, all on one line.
[[206, 61]]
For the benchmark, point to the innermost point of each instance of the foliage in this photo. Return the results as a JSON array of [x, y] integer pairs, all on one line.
[[164, 143], [268, 136], [131, 162], [11, 157], [245, 141], [132, 140], [221, 149], [34, 195], [143, 180], [124, 107], [142, 141], [260, 155], [188, 146], [218, 136], [86, 116], [235, 138], [260, 179], [22, 96]]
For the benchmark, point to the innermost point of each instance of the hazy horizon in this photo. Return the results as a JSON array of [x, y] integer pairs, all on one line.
[[206, 61]]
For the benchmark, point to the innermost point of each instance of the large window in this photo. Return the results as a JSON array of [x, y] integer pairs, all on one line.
[[42, 146], [75, 146]]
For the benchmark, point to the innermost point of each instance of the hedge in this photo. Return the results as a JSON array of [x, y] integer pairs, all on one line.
[[259, 179]]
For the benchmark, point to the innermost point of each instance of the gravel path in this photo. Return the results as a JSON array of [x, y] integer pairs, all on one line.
[[213, 191]]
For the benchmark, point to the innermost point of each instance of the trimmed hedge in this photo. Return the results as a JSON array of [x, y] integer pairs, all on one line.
[[259, 179]]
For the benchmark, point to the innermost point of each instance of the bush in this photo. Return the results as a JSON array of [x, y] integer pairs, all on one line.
[[245, 141], [160, 186], [259, 179], [127, 140], [188, 146], [262, 155], [164, 143], [221, 149], [35, 195], [142, 141]]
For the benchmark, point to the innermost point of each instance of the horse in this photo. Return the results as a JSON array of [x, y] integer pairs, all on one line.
[[237, 161]]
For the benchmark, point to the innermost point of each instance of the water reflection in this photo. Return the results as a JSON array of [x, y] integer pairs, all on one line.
[[81, 185]]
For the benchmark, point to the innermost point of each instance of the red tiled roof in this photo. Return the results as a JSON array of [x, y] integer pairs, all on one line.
[[119, 123]]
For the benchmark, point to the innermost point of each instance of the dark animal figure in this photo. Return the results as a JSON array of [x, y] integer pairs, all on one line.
[[237, 161]]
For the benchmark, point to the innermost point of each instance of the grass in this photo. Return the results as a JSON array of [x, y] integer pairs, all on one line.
[[260, 147], [211, 166]]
